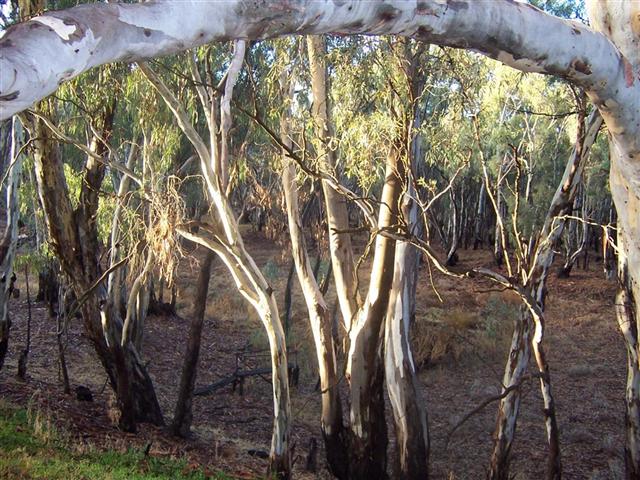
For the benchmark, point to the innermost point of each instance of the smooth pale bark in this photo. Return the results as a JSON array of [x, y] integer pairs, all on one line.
[[412, 435], [403, 387], [609, 256], [626, 308], [10, 235], [499, 242], [321, 326], [225, 240], [40, 54], [531, 318], [554, 466], [137, 306], [572, 256], [116, 277], [515, 369], [452, 255], [365, 371], [340, 247], [254, 288], [620, 21], [37, 55], [562, 202], [332, 426], [480, 218]]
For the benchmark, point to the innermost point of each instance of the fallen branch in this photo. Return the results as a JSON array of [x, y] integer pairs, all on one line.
[[209, 389]]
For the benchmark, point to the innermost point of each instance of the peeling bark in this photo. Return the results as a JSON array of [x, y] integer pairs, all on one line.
[[333, 431], [365, 371], [531, 318], [626, 312], [412, 435], [620, 22], [36, 56], [505, 430], [73, 237]]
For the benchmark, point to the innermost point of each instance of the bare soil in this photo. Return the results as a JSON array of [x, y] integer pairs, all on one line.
[[461, 343]]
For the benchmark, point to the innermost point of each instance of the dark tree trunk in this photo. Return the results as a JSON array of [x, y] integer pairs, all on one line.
[[368, 456], [128, 376], [288, 300], [183, 415], [24, 354], [61, 321], [48, 284], [74, 239]]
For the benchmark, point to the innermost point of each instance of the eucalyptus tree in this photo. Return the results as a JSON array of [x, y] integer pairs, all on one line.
[[201, 83], [412, 75], [350, 456], [73, 221], [332, 426], [38, 55], [363, 318], [526, 274], [11, 140], [222, 235]]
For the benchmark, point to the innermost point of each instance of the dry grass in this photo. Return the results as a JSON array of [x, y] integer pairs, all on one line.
[[458, 334], [41, 422]]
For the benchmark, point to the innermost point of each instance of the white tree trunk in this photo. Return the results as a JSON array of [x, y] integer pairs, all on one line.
[[39, 54], [409, 414], [514, 372], [225, 240], [116, 277], [36, 56], [627, 320], [333, 431], [533, 315], [620, 21], [499, 242], [364, 364], [342, 258], [10, 235]]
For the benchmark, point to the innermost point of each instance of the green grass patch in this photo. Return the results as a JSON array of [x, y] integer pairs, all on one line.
[[30, 448]]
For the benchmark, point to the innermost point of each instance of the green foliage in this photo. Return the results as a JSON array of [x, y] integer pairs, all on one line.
[[562, 8], [28, 451], [35, 260]]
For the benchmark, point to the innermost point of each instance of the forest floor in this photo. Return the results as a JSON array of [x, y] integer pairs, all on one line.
[[460, 343]]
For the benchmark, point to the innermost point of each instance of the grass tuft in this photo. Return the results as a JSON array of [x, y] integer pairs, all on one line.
[[31, 448]]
